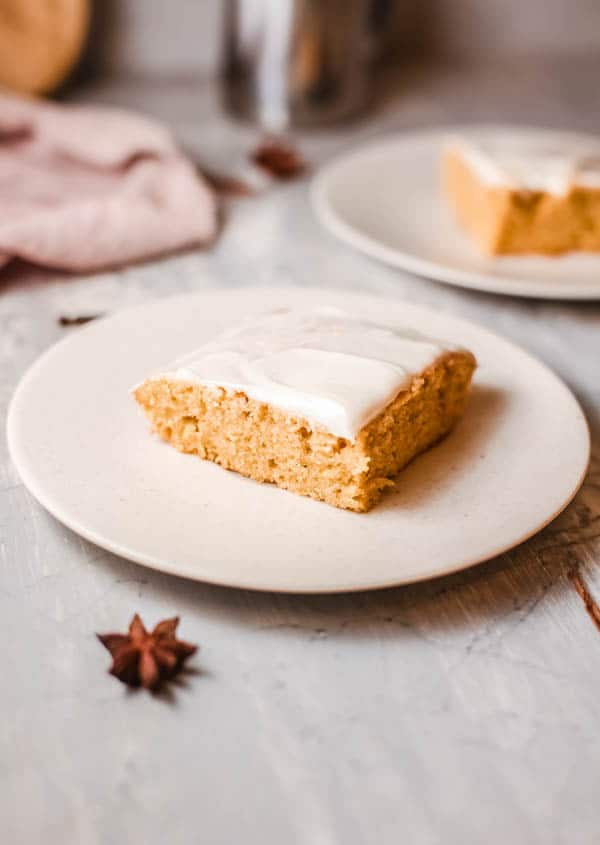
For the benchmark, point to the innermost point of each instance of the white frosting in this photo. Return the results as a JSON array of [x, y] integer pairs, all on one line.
[[530, 163], [331, 368]]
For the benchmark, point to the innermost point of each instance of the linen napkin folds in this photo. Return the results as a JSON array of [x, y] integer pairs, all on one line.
[[84, 188]]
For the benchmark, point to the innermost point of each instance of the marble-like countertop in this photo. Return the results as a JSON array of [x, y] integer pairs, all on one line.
[[461, 710]]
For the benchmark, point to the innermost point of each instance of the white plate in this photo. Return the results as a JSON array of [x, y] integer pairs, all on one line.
[[385, 200], [84, 451]]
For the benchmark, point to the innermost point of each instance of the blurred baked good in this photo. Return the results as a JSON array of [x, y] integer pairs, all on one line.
[[40, 42]]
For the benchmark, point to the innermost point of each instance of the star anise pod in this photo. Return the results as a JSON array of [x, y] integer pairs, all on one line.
[[279, 159], [147, 659], [228, 186]]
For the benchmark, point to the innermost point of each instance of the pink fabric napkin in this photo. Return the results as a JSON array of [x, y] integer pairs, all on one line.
[[83, 188]]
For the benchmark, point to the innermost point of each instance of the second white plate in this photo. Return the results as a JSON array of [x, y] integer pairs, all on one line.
[[385, 200], [84, 450]]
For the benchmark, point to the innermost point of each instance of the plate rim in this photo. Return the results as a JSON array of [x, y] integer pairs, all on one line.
[[433, 271], [167, 567]]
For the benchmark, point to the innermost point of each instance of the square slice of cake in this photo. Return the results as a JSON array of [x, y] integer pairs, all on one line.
[[517, 194], [322, 403]]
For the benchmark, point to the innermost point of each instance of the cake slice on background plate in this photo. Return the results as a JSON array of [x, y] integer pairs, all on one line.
[[321, 403], [517, 194]]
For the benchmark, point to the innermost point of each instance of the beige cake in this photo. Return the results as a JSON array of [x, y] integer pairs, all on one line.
[[517, 195], [322, 403]]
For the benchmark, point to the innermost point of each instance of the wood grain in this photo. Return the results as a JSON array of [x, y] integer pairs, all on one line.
[[461, 710]]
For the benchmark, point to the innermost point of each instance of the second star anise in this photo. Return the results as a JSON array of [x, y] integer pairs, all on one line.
[[279, 158]]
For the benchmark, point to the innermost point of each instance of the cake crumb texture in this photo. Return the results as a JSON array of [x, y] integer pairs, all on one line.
[[269, 445]]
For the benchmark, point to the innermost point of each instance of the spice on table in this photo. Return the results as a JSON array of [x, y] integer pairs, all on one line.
[[279, 158], [229, 186], [585, 596], [78, 320], [146, 659]]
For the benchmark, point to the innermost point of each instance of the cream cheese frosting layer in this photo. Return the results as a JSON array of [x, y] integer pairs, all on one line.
[[331, 368], [531, 163]]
